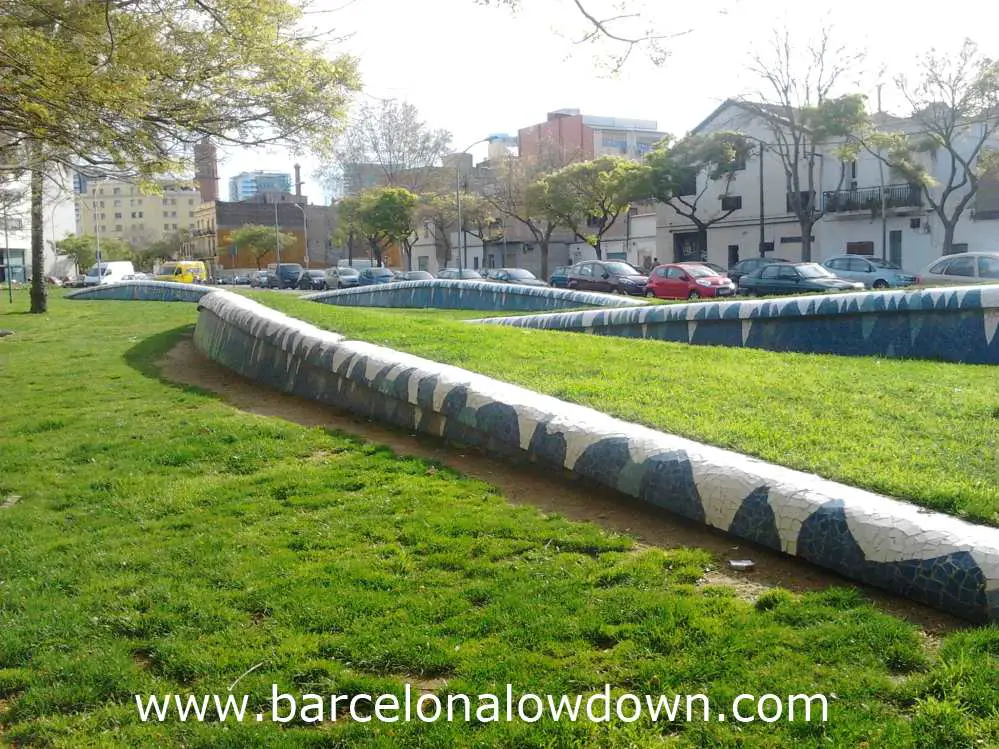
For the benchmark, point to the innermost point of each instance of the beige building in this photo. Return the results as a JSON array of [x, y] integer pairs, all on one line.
[[120, 210]]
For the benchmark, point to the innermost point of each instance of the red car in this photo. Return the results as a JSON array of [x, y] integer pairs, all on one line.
[[687, 281]]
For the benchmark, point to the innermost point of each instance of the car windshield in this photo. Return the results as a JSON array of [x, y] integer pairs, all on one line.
[[382, 272], [699, 271], [814, 270], [347, 272], [621, 269], [316, 273], [104, 268], [525, 275]]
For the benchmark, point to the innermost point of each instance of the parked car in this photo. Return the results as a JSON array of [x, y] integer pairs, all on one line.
[[283, 276], [560, 277], [414, 275], [312, 280], [687, 281], [794, 278], [258, 279], [374, 276], [614, 276], [239, 279], [341, 277], [751, 265], [873, 272], [462, 274], [515, 276], [962, 268], [713, 266]]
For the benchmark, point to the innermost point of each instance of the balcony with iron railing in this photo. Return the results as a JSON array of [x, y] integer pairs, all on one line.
[[869, 199]]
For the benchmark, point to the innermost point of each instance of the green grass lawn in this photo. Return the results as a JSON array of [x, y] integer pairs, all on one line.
[[164, 542], [927, 432]]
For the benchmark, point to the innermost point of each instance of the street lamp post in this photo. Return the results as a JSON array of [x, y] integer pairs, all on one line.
[[305, 231], [277, 238], [457, 196]]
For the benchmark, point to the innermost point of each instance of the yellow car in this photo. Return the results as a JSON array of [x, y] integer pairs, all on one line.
[[183, 271]]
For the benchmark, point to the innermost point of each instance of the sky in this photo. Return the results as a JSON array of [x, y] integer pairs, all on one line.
[[477, 70]]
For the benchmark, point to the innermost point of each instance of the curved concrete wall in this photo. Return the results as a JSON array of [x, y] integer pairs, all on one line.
[[481, 295], [937, 559], [957, 324], [144, 291]]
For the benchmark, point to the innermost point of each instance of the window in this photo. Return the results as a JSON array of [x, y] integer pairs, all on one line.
[[988, 267], [939, 267], [957, 247], [860, 248], [166, 227], [731, 202], [787, 272], [914, 223], [131, 203], [133, 215], [586, 270], [117, 227], [676, 273], [733, 254], [117, 215], [771, 271], [962, 266], [117, 191], [837, 264], [857, 265], [117, 204]]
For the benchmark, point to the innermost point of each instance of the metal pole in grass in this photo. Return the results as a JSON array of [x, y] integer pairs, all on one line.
[[6, 256]]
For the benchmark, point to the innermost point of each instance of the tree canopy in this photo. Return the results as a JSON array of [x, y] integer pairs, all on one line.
[[261, 241], [83, 249]]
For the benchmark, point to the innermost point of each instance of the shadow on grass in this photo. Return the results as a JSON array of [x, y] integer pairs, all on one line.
[[143, 358]]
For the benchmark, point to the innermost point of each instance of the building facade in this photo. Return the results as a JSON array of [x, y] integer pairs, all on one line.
[[866, 208], [215, 222], [575, 136], [121, 210], [206, 170], [247, 185]]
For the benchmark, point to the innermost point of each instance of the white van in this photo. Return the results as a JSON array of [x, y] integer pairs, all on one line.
[[112, 271]]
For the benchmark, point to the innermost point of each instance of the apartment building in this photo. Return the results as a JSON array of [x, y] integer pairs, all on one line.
[[121, 210], [753, 209], [573, 135], [247, 185]]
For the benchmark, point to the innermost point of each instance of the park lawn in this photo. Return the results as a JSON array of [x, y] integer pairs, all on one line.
[[926, 432], [167, 543]]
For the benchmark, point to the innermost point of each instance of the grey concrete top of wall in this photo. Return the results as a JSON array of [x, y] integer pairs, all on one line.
[[471, 294], [151, 291], [981, 297]]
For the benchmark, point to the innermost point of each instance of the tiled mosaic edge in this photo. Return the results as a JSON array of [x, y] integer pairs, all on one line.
[[477, 295], [950, 324], [144, 291], [940, 560]]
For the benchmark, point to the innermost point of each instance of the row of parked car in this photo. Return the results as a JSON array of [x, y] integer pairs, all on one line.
[[772, 276], [682, 280]]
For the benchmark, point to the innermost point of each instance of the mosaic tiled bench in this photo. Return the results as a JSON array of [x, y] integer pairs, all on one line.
[[933, 558], [144, 291], [956, 324], [481, 295]]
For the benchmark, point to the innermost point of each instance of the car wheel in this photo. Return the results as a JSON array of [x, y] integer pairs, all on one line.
[[650, 292], [693, 295], [880, 284]]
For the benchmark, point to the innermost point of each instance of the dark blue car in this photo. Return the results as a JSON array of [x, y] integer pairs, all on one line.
[[560, 278], [373, 276]]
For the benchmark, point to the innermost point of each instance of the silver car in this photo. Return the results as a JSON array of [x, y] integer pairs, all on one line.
[[961, 269], [873, 272]]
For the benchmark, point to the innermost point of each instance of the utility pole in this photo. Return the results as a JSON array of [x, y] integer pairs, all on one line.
[[884, 212], [762, 209], [277, 238]]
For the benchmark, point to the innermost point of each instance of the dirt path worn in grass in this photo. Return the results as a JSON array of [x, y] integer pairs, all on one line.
[[525, 484]]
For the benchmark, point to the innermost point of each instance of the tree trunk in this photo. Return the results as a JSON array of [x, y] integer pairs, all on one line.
[[543, 249], [806, 241], [409, 258], [598, 250], [39, 302], [950, 227]]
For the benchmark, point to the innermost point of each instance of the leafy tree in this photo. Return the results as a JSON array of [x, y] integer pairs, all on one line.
[[83, 250], [388, 216], [261, 241], [130, 86], [169, 247], [587, 197], [392, 144], [440, 210], [512, 195], [954, 113], [672, 171], [805, 120]]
